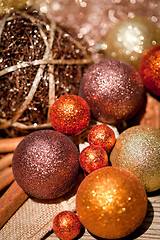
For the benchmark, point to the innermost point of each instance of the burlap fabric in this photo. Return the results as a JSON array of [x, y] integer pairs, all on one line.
[[34, 219]]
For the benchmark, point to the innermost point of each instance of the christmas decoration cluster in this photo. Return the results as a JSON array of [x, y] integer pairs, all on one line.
[[62, 95]]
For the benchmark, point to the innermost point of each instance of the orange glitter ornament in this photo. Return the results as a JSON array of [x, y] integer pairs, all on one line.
[[92, 158], [111, 202], [66, 225], [102, 135], [70, 115], [150, 70]]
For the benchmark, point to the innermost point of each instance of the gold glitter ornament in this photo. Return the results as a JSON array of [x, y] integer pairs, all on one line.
[[137, 149], [111, 202], [130, 38]]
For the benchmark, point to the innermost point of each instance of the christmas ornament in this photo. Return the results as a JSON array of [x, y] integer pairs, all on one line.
[[130, 38], [45, 164], [70, 114], [137, 149], [92, 158], [113, 90], [102, 135], [66, 225], [111, 202], [40, 61], [150, 70]]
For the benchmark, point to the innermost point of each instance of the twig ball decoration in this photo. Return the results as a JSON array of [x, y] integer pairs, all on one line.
[[113, 90], [66, 225], [130, 38], [92, 158], [45, 164], [70, 114], [111, 202], [103, 136], [40, 61], [137, 149], [150, 70]]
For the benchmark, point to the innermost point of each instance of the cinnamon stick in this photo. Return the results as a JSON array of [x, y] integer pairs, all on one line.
[[6, 161], [11, 200], [6, 177], [9, 144]]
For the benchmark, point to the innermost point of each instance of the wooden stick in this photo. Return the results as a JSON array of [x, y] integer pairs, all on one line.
[[6, 161], [11, 200], [6, 177], [9, 144]]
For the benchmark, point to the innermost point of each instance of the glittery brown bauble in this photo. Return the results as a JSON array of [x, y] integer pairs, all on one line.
[[66, 225], [113, 90], [111, 202], [40, 61], [45, 164], [137, 149]]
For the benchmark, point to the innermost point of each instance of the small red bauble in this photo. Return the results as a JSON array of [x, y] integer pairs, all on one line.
[[92, 158], [102, 135], [150, 70], [66, 225], [70, 115]]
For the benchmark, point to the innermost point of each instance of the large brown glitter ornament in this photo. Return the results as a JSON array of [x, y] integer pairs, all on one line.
[[137, 149], [111, 202], [113, 90], [45, 164], [39, 62]]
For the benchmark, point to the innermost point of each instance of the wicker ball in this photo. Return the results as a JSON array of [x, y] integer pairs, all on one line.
[[40, 61]]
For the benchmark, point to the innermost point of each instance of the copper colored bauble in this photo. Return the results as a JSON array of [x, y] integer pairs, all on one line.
[[137, 149], [111, 202], [92, 158], [130, 38], [45, 164], [70, 115], [40, 61], [150, 70], [113, 89], [102, 135], [66, 225]]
